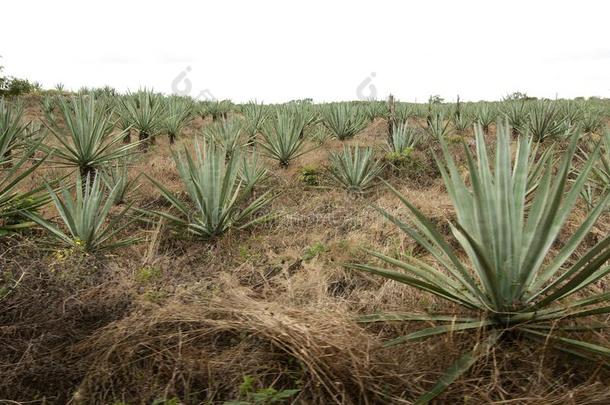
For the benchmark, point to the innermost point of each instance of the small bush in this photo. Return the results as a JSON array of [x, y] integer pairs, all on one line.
[[310, 175]]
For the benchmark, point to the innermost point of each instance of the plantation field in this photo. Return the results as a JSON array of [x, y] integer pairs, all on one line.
[[160, 250]]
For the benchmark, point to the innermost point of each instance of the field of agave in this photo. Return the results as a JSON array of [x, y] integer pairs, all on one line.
[[158, 249]]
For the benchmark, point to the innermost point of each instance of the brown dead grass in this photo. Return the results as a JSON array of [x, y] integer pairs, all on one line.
[[201, 347]]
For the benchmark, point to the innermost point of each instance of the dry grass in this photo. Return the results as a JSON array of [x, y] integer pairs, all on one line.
[[201, 345]]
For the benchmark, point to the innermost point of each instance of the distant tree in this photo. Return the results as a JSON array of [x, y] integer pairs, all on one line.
[[518, 96], [436, 99], [3, 79], [12, 86], [302, 101]]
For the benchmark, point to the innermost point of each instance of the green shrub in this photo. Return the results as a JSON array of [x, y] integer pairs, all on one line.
[[314, 250], [13, 87], [249, 395], [310, 175]]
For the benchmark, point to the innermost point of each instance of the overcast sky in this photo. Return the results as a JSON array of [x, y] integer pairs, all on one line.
[[326, 50]]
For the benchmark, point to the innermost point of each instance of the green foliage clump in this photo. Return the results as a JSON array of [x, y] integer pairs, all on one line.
[[310, 175], [147, 273], [249, 395], [314, 250]]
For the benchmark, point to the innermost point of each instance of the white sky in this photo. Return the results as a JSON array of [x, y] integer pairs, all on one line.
[[281, 50]]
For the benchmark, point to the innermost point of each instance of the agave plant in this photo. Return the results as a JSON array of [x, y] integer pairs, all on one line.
[[226, 134], [116, 175], [254, 116], [319, 134], [600, 175], [89, 143], [12, 130], [591, 121], [508, 278], [13, 203], [84, 216], [571, 113], [463, 122], [343, 120], [122, 120], [252, 170], [106, 91], [403, 138], [48, 105], [438, 127], [537, 164], [420, 110], [404, 111], [375, 109], [177, 115], [144, 111], [515, 113], [355, 169], [544, 121], [214, 108], [308, 114], [32, 134], [300, 111], [589, 195], [215, 190], [281, 137], [486, 115]]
